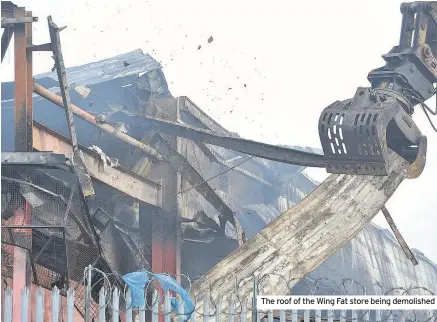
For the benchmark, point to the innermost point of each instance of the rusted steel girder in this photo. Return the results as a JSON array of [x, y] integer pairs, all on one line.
[[125, 181], [302, 238], [57, 100], [23, 89], [23, 116]]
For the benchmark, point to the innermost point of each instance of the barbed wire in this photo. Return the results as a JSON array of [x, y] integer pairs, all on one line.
[[240, 297]]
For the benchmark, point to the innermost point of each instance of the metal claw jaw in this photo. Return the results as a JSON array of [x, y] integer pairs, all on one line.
[[415, 169], [360, 135]]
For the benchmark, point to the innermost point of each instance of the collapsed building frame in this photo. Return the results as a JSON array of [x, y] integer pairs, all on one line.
[[161, 148], [34, 136]]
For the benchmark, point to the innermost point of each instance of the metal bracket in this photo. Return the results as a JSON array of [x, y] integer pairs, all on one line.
[[42, 47], [33, 159], [6, 22], [415, 169]]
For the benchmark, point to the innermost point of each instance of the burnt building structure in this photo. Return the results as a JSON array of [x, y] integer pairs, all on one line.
[[166, 212]]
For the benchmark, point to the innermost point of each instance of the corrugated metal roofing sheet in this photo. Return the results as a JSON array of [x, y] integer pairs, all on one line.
[[134, 62]]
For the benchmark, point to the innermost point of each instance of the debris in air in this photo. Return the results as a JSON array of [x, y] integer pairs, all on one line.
[[210, 39], [199, 47], [125, 63]]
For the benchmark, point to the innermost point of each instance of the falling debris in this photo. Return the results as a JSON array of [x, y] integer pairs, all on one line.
[[125, 63], [245, 85], [210, 39], [198, 47]]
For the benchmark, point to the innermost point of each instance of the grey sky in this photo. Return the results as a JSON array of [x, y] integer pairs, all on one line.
[[295, 57]]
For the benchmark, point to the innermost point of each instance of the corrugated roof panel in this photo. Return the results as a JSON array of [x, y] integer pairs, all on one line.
[[134, 62]]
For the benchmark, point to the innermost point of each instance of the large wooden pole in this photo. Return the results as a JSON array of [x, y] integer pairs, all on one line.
[[301, 239]]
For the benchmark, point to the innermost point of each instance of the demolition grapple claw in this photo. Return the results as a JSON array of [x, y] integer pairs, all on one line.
[[358, 135]]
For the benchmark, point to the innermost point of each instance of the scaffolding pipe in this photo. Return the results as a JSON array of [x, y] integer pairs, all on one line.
[[57, 100]]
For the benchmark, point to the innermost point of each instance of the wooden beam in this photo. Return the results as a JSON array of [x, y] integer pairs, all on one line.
[[302, 238], [140, 188]]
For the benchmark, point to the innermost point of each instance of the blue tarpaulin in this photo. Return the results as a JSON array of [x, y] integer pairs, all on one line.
[[136, 282], [169, 284]]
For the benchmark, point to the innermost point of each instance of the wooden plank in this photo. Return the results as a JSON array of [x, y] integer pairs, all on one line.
[[303, 237], [142, 189]]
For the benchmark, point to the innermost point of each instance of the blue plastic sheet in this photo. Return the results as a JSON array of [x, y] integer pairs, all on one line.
[[136, 282], [169, 284]]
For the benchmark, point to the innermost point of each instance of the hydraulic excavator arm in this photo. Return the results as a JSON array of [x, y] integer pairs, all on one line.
[[358, 135]]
